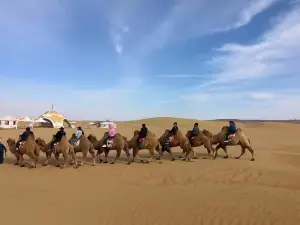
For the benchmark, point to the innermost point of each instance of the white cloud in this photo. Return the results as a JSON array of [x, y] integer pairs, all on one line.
[[276, 54], [194, 18], [183, 76], [261, 95]]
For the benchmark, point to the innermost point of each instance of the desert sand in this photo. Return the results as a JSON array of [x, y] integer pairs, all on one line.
[[205, 191]]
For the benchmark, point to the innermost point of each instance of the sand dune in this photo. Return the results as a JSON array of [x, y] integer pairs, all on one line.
[[205, 191]]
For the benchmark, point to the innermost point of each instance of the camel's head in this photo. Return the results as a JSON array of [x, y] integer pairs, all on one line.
[[135, 133], [11, 141], [225, 129], [167, 131], [207, 133], [92, 138], [40, 141], [188, 134]]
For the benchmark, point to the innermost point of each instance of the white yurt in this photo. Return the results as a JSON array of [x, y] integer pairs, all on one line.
[[8, 122]]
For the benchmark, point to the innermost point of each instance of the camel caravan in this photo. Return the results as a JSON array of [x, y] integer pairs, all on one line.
[[141, 140]]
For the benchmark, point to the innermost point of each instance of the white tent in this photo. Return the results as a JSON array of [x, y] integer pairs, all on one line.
[[40, 120], [91, 123], [105, 124], [26, 119]]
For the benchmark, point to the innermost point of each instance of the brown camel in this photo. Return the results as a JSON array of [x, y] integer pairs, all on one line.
[[177, 140], [239, 139], [44, 148], [119, 143], [28, 147], [62, 147], [84, 146], [200, 140], [150, 143]]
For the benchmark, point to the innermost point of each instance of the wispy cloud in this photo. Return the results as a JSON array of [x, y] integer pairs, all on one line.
[[276, 54], [194, 18], [261, 95], [183, 76]]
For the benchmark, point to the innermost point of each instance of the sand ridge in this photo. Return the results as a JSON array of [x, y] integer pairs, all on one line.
[[205, 191]]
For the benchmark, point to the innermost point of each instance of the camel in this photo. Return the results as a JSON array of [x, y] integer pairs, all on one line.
[[239, 139], [84, 146], [150, 143], [200, 140], [28, 147], [178, 140], [119, 143], [63, 147]]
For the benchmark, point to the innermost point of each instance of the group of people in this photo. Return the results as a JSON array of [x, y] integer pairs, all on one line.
[[112, 131]]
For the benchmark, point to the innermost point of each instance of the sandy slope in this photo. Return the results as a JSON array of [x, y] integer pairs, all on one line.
[[223, 192]]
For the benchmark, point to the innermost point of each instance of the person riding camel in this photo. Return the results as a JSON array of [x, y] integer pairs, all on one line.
[[172, 132], [231, 130], [78, 134], [195, 132], [112, 131], [24, 137], [142, 135], [58, 137]]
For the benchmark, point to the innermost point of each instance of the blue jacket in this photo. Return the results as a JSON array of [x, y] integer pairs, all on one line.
[[232, 129], [25, 135], [2, 148]]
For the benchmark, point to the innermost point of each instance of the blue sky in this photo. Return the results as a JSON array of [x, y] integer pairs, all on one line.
[[131, 59]]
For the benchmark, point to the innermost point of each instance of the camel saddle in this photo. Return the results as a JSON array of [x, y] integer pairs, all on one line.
[[230, 137]]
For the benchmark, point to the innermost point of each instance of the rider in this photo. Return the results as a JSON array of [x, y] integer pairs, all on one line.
[[195, 132], [78, 134], [112, 131], [173, 131], [142, 134], [58, 136], [231, 130], [24, 137]]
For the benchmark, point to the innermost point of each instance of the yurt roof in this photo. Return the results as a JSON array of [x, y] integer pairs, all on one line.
[[52, 115]]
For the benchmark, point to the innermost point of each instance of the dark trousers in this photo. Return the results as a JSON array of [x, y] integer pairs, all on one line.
[[19, 142], [190, 138], [1, 157], [53, 142]]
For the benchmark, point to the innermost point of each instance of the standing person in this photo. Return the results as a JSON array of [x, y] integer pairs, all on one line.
[[2, 151], [112, 131], [142, 134]]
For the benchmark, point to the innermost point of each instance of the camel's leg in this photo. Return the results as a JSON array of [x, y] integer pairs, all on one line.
[[93, 156], [135, 155], [225, 151], [169, 150], [151, 151], [57, 159], [251, 151], [171, 154], [98, 156], [65, 155], [128, 156], [106, 151], [216, 151], [243, 150], [159, 151], [117, 156], [34, 159], [21, 161], [18, 159], [194, 154], [74, 159], [182, 154], [48, 155], [84, 157]]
